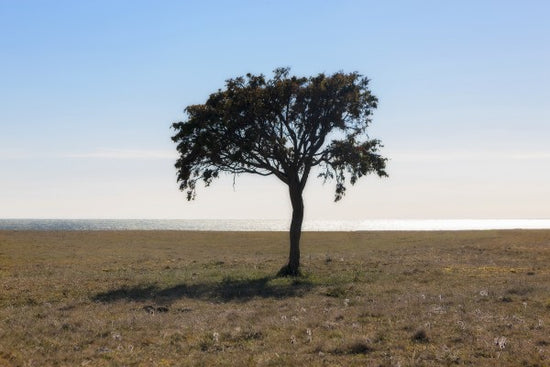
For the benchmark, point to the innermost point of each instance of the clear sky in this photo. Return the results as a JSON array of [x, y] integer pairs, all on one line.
[[88, 90]]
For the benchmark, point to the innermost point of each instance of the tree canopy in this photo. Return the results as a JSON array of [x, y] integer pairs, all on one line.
[[283, 126]]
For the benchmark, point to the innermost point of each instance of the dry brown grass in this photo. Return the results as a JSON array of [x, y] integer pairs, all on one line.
[[191, 298]]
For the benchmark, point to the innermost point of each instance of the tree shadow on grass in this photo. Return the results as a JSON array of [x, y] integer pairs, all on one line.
[[227, 290]]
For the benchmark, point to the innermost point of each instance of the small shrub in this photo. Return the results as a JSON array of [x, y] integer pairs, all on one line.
[[420, 337], [359, 348], [355, 347]]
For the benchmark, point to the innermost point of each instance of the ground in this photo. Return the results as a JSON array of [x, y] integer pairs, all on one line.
[[169, 298]]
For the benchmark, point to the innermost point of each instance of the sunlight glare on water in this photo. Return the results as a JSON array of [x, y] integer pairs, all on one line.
[[272, 225]]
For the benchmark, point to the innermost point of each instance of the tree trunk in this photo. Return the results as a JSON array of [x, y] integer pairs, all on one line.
[[293, 267]]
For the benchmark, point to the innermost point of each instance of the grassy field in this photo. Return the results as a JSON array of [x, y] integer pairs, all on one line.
[[190, 298]]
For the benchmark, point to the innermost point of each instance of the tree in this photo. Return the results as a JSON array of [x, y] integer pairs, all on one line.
[[284, 126]]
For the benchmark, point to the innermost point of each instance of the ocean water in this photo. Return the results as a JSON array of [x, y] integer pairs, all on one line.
[[270, 225]]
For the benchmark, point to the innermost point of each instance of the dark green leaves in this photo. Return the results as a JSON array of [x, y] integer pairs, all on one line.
[[351, 159], [282, 127]]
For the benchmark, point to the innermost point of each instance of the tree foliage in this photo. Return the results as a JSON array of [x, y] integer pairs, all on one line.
[[283, 126]]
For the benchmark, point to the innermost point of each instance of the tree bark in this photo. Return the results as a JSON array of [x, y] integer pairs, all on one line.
[[293, 267]]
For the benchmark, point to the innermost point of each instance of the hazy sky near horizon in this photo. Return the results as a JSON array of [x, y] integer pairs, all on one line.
[[89, 91]]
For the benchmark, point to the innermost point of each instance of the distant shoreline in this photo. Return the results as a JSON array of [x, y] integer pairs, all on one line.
[[270, 225]]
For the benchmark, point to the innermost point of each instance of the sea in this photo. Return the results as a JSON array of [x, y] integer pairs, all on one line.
[[270, 225]]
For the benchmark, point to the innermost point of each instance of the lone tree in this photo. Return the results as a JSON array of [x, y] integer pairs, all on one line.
[[283, 126]]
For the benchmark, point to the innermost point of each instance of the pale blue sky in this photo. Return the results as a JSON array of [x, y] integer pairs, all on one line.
[[89, 90]]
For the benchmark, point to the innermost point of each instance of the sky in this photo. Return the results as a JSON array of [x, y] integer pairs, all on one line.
[[89, 90]]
